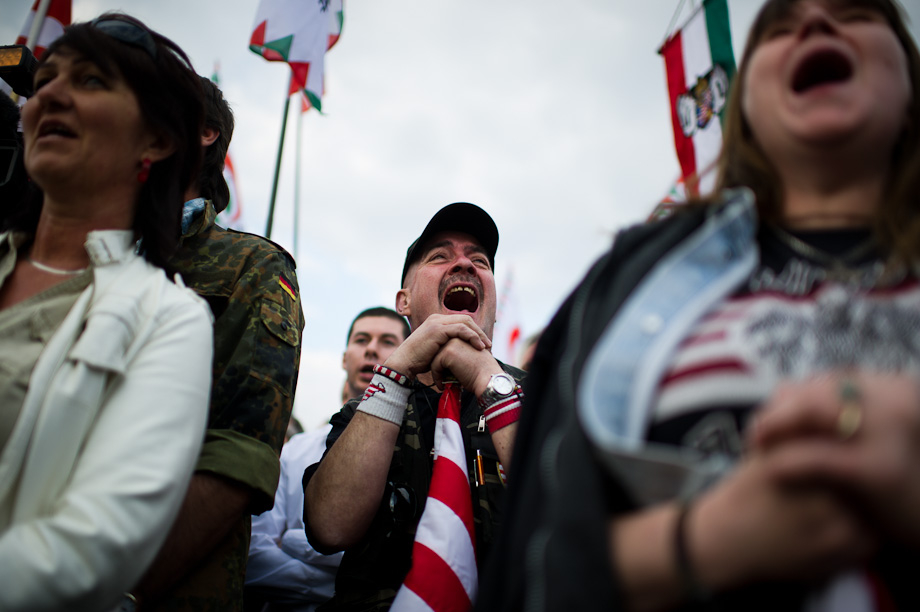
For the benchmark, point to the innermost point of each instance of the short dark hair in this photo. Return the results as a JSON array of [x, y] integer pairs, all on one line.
[[379, 311], [169, 95], [219, 117]]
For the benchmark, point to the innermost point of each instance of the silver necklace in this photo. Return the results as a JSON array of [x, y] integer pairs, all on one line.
[[53, 270], [823, 258], [814, 266]]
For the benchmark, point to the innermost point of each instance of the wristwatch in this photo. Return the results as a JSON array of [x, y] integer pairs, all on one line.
[[500, 387]]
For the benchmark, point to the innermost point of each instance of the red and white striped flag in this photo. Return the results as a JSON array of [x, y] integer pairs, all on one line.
[[700, 65], [507, 333], [52, 26], [57, 17], [443, 576]]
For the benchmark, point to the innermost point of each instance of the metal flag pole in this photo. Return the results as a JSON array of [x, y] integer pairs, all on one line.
[[297, 167], [271, 204]]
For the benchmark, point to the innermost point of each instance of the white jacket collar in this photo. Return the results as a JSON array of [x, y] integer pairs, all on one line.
[[109, 246]]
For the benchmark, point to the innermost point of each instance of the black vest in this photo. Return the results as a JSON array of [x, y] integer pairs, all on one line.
[[373, 570]]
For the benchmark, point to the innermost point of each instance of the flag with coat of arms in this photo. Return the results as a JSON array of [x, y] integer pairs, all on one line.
[[298, 32], [700, 66]]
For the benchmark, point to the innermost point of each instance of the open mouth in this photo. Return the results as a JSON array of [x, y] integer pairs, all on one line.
[[55, 128], [366, 372], [461, 298], [823, 67]]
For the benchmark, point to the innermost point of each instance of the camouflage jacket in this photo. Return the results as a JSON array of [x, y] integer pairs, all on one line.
[[250, 285], [373, 570]]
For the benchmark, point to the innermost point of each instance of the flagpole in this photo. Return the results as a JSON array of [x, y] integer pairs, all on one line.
[[695, 6], [297, 167], [37, 22], [271, 204]]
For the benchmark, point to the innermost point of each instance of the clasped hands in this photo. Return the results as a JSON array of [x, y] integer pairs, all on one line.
[[831, 470], [447, 346], [859, 434]]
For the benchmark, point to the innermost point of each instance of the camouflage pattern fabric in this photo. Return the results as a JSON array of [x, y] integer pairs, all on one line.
[[373, 570], [250, 285]]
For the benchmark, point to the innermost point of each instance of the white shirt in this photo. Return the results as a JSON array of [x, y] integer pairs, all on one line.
[[282, 565]]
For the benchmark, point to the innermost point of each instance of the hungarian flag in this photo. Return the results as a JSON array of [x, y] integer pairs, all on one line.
[[298, 33], [57, 17], [443, 575], [676, 197], [700, 65]]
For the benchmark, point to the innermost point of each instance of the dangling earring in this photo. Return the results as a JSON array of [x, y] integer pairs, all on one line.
[[144, 172]]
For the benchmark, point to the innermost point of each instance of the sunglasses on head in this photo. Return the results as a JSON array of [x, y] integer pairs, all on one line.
[[126, 32]]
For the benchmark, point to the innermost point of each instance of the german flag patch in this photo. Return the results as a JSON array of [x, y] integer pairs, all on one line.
[[288, 288]]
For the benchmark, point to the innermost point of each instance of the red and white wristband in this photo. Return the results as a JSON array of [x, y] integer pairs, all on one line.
[[387, 395], [504, 412], [400, 379]]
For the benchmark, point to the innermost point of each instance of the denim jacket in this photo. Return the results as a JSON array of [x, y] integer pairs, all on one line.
[[590, 392], [622, 372]]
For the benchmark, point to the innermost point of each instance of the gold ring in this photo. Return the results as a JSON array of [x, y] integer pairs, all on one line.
[[851, 409]]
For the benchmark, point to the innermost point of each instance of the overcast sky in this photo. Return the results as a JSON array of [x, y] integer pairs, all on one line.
[[553, 116]]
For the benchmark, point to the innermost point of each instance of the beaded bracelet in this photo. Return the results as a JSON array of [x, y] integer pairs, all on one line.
[[399, 379]]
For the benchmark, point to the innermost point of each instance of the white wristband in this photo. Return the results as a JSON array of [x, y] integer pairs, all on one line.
[[385, 399]]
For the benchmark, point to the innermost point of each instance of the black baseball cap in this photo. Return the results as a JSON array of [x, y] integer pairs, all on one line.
[[457, 217]]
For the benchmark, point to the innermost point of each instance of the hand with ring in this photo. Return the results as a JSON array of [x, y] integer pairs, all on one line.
[[856, 432], [850, 417]]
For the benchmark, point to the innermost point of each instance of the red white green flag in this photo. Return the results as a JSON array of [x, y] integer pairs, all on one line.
[[700, 65], [298, 32], [55, 19], [676, 197]]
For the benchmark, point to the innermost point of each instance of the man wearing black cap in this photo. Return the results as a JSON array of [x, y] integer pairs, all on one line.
[[367, 494]]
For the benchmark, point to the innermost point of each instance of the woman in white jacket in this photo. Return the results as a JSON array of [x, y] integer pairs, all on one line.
[[104, 361]]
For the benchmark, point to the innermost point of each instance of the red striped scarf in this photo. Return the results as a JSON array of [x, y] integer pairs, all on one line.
[[443, 575]]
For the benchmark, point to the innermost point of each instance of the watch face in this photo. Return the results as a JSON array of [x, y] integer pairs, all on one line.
[[503, 384]]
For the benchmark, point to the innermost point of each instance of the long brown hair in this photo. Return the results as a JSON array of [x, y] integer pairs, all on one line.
[[743, 162]]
